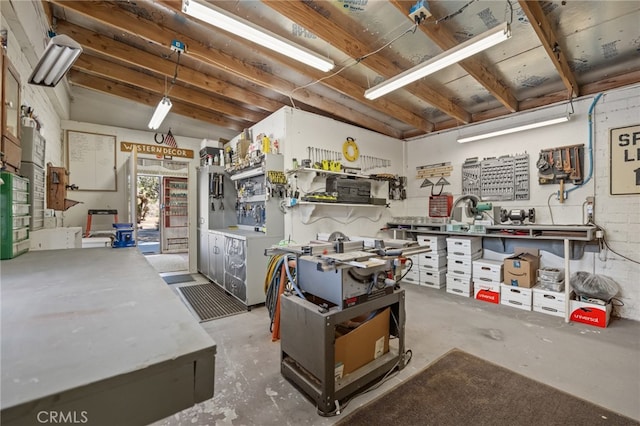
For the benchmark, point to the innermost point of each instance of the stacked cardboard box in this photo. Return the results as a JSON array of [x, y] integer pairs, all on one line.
[[520, 276], [429, 269], [487, 277], [461, 252], [412, 276]]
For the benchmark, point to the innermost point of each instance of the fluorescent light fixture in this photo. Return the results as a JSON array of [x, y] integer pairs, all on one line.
[[161, 112], [235, 25], [534, 125], [460, 52], [61, 52]]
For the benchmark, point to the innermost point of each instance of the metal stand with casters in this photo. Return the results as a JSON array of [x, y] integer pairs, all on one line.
[[308, 355]]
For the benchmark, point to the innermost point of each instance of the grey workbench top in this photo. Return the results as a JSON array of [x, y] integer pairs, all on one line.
[[71, 318]]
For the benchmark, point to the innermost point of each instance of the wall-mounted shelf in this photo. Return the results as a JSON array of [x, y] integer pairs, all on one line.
[[248, 173], [326, 172], [310, 211]]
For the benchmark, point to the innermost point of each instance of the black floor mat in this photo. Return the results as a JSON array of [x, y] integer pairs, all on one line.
[[461, 389], [175, 279], [210, 301]]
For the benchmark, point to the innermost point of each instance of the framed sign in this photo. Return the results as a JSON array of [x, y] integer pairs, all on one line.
[[91, 160], [624, 150]]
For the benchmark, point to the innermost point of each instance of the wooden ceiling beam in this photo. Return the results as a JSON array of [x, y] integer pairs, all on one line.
[[320, 21], [610, 83], [474, 65], [110, 87], [551, 44], [112, 15], [122, 52], [103, 68], [336, 82]]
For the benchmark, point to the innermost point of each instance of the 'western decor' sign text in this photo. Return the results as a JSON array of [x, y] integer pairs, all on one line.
[[156, 149]]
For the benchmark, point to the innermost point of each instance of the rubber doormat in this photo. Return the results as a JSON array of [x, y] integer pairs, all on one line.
[[176, 279], [209, 301]]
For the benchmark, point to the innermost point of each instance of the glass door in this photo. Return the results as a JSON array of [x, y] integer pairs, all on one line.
[[174, 218]]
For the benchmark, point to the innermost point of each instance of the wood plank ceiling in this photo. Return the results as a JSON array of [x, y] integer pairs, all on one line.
[[558, 50]]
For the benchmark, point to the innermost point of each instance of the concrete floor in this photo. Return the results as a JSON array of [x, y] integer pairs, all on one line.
[[599, 365]]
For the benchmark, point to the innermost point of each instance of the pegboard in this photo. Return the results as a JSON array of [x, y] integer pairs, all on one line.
[[497, 179]]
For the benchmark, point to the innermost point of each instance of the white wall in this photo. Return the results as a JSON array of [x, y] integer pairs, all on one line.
[[304, 129], [37, 97], [618, 215]]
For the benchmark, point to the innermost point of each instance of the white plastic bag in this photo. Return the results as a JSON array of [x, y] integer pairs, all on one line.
[[592, 285]]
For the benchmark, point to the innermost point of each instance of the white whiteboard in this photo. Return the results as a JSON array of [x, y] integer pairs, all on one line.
[[91, 161]]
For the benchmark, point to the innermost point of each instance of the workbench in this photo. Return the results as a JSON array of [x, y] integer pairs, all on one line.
[[97, 335]]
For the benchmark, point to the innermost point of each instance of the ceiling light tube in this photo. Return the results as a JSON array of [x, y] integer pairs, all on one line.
[[58, 57], [245, 29], [161, 112], [534, 125], [460, 52]]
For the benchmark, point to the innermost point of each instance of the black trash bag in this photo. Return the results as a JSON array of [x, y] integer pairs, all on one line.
[[592, 285]]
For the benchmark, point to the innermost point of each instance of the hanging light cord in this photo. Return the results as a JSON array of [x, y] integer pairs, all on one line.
[[175, 74], [412, 29]]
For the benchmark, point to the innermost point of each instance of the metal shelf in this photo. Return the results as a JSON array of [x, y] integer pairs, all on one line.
[[326, 172], [248, 173], [308, 353]]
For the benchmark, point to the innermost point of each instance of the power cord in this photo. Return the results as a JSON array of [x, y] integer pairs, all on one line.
[[606, 244]]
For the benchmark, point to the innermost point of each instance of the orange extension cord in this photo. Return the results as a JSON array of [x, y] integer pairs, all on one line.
[[275, 333]]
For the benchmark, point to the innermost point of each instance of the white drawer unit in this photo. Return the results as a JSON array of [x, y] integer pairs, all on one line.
[[433, 279], [486, 291], [516, 297], [433, 260], [460, 265], [460, 246], [434, 242], [412, 277], [488, 270], [549, 302], [459, 285]]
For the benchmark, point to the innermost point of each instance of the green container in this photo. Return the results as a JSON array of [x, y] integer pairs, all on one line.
[[14, 215]]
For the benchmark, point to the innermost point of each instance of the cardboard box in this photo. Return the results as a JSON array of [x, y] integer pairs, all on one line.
[[488, 270], [413, 276], [486, 291], [461, 265], [590, 313], [362, 345], [433, 260], [521, 269], [459, 285], [433, 279], [434, 242], [516, 297], [461, 246], [549, 302]]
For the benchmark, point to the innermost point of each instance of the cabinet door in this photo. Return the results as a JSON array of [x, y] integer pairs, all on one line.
[[10, 103], [218, 274], [211, 268], [235, 267]]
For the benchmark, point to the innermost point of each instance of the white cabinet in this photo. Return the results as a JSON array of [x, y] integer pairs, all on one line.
[[56, 238]]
